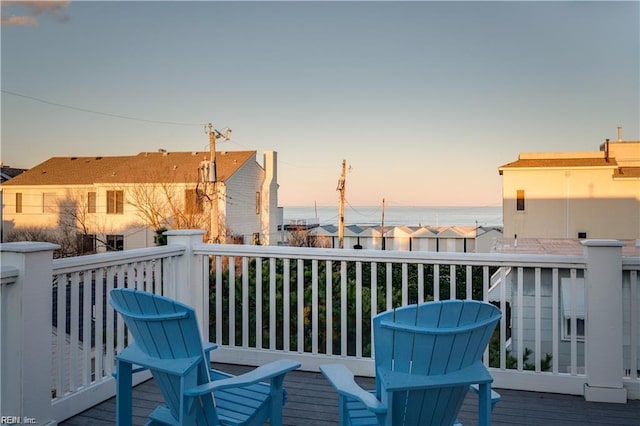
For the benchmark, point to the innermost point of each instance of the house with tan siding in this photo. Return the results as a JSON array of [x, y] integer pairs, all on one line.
[[593, 194], [118, 202]]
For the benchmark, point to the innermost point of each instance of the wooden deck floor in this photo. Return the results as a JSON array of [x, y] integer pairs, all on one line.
[[312, 402]]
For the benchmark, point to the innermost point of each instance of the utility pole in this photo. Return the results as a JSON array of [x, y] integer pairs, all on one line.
[[210, 177], [341, 187], [384, 245], [214, 229]]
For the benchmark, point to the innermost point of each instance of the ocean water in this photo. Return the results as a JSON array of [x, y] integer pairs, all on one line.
[[397, 215]]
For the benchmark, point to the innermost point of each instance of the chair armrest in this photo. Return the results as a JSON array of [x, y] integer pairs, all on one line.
[[134, 356], [342, 380], [260, 374], [476, 373], [495, 396], [208, 348]]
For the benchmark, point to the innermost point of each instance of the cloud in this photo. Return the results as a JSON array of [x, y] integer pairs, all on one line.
[[34, 9], [19, 20]]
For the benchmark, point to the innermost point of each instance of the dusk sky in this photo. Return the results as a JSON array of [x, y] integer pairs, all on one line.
[[425, 100]]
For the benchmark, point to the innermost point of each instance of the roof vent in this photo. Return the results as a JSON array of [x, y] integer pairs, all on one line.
[[162, 150], [74, 158], [98, 158]]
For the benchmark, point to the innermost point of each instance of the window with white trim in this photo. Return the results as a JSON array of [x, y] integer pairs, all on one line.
[[572, 302]]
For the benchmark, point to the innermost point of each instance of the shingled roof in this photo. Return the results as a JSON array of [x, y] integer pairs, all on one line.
[[146, 167], [561, 163]]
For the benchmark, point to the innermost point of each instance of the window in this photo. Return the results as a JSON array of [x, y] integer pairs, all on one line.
[[520, 200], [258, 202], [192, 202], [18, 202], [49, 202], [115, 202], [91, 202], [567, 299], [86, 243], [115, 242]]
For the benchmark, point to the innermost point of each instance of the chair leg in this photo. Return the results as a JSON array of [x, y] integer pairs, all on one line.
[[484, 404], [276, 392], [124, 394]]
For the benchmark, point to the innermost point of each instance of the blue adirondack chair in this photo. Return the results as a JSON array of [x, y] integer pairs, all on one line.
[[167, 342], [426, 358]]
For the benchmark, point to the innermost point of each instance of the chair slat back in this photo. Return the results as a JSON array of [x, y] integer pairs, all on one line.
[[165, 329], [432, 339]]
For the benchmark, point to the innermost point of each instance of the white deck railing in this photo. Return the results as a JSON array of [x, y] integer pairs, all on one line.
[[262, 303], [86, 332]]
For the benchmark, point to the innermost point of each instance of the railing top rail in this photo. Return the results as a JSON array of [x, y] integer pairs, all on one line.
[[8, 274], [394, 256], [72, 264], [631, 263]]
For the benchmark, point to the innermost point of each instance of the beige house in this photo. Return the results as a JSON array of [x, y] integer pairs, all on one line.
[[574, 194], [118, 202]]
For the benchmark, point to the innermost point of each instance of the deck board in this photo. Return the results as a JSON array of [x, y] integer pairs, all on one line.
[[312, 402]]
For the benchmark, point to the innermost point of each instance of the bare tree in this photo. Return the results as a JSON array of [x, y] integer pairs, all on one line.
[[169, 205], [301, 236]]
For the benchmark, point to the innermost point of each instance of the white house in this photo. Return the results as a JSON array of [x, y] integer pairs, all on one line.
[[118, 202]]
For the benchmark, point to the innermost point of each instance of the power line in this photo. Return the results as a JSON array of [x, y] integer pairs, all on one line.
[[107, 114]]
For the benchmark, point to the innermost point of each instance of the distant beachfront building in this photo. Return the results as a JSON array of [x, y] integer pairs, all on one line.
[[115, 203], [579, 195], [460, 239]]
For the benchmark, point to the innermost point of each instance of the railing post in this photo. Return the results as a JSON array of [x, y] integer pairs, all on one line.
[[191, 287], [25, 333], [603, 325]]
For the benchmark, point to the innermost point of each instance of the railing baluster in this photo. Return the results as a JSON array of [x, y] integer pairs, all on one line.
[[452, 282], [555, 320], [61, 344], [374, 289], [420, 283], [436, 282], [99, 324], [110, 356], [219, 297], [504, 319], [343, 308], [358, 309], [469, 283], [520, 319], [74, 305], [259, 303], [119, 321], [634, 328], [485, 298], [538, 321], [300, 274], [87, 284], [329, 305], [286, 274], [405, 284], [245, 302], [389, 286], [314, 306], [232, 301], [574, 325]]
